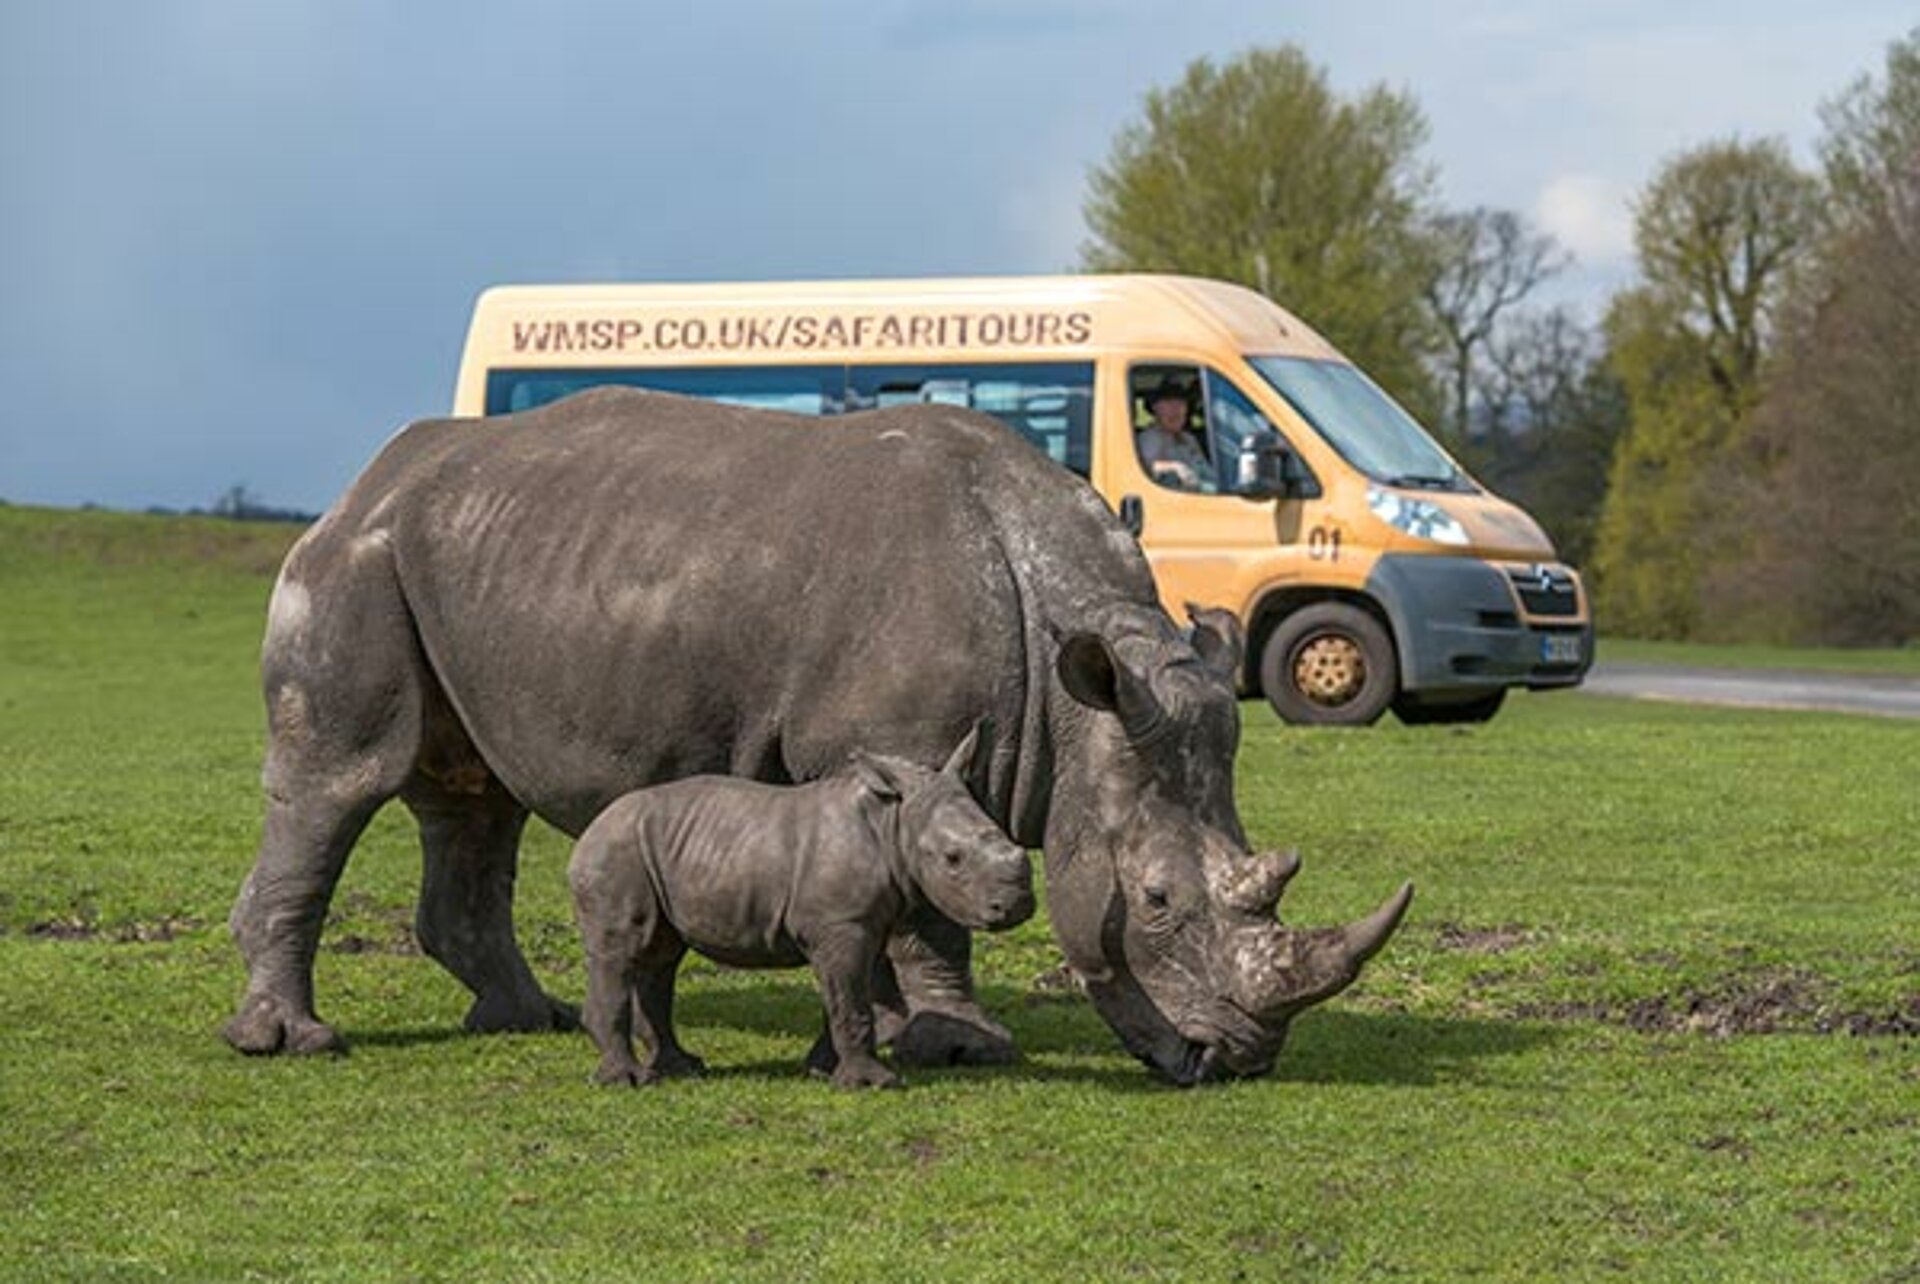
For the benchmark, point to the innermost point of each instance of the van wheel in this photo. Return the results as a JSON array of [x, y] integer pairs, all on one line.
[[1329, 664], [1417, 711]]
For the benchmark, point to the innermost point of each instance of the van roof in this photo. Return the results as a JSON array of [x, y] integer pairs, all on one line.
[[1008, 314]]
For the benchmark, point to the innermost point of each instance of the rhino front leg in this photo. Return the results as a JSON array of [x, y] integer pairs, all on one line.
[[944, 1025], [842, 960], [889, 1018], [470, 845]]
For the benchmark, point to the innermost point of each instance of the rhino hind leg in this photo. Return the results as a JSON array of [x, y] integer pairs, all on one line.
[[342, 677], [943, 1024], [277, 920], [653, 1016], [470, 830]]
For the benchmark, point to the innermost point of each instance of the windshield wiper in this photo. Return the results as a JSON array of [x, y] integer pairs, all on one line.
[[1417, 481]]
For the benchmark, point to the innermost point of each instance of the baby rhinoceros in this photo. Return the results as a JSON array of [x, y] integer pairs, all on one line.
[[754, 875]]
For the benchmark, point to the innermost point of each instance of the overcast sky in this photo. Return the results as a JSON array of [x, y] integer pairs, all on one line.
[[239, 238]]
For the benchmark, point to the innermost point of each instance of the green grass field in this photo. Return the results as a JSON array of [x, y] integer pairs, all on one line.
[[1653, 1015], [1884, 660]]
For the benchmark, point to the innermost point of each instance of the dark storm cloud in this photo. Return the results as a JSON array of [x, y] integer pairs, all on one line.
[[239, 240]]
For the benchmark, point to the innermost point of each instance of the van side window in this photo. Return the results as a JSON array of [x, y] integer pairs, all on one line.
[[804, 390], [1170, 427], [1048, 403]]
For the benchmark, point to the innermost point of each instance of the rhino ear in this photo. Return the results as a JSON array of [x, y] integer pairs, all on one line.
[[878, 775], [1086, 668], [1219, 639], [1094, 676]]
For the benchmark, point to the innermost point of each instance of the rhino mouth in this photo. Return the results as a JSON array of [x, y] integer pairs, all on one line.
[[1229, 1044], [1200, 1064], [1219, 1041]]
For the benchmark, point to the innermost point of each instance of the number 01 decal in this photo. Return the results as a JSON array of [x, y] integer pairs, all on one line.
[[1323, 543]]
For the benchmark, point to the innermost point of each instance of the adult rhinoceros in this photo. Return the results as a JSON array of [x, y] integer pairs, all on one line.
[[539, 612]]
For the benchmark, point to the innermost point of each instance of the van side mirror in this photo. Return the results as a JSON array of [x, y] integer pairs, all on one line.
[[1267, 468]]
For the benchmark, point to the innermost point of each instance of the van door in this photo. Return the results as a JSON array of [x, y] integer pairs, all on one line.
[[1208, 546]]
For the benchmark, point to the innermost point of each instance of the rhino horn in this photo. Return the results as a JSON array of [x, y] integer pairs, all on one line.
[[1305, 967], [1364, 939], [1255, 885]]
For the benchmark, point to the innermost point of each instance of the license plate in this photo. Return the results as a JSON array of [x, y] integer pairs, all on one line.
[[1560, 648]]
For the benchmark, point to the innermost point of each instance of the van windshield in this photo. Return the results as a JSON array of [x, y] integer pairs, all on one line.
[[1364, 424]]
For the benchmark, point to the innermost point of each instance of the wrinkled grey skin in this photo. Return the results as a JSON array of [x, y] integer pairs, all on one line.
[[757, 876], [541, 612]]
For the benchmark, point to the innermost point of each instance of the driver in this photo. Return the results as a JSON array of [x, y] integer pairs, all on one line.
[[1169, 451]]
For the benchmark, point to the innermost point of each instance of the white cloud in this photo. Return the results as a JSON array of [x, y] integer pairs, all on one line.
[[1589, 215]]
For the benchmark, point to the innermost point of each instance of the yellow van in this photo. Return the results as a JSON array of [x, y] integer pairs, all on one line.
[[1261, 470]]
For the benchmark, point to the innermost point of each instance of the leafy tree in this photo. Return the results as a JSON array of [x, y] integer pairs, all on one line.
[[1718, 235], [1255, 171]]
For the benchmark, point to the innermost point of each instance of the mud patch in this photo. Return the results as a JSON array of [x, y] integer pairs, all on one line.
[[1483, 940], [75, 927], [361, 925], [398, 942], [1061, 979], [1784, 1001], [64, 929]]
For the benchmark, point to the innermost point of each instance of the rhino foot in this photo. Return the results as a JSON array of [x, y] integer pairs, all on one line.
[[499, 1013], [821, 1058], [265, 1026], [932, 1038], [863, 1072], [678, 1064], [625, 1074]]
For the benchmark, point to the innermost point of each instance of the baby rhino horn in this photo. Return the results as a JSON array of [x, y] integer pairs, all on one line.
[[960, 763]]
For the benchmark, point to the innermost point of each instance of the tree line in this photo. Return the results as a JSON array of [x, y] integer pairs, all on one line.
[[1732, 451]]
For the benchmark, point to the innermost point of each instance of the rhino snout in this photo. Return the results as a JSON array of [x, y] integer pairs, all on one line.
[[1009, 899], [1009, 911]]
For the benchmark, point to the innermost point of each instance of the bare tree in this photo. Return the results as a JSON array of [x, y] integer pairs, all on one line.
[[1486, 262], [1550, 413], [1828, 474]]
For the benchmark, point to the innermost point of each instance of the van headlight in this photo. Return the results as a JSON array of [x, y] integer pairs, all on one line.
[[1420, 518]]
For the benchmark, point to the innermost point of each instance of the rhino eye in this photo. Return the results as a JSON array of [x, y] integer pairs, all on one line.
[[953, 860], [1156, 896]]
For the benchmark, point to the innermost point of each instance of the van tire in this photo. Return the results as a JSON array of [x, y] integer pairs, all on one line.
[[1417, 711], [1329, 664]]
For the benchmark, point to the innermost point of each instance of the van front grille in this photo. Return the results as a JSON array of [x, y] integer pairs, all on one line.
[[1545, 590]]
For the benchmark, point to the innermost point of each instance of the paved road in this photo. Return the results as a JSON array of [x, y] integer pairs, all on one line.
[[1883, 695]]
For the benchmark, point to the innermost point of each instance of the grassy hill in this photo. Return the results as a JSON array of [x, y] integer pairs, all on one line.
[[1654, 1015]]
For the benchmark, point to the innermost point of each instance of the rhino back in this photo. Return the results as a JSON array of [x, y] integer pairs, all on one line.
[[625, 587]]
